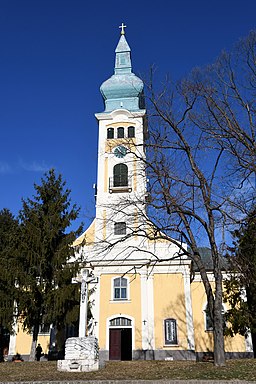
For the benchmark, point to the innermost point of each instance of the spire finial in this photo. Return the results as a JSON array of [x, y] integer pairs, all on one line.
[[122, 26]]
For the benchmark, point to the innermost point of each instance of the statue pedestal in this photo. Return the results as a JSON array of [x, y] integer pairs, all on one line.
[[81, 355], [78, 365]]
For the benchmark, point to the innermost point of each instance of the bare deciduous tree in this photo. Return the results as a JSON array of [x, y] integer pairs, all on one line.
[[228, 96], [200, 160], [201, 157]]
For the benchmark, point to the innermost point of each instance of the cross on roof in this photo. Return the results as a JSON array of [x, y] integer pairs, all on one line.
[[122, 26]]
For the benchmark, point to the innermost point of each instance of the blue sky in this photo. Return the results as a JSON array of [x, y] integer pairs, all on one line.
[[54, 55]]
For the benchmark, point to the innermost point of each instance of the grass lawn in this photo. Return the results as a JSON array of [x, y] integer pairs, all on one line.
[[244, 369]]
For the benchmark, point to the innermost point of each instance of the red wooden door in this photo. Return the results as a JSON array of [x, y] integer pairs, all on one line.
[[115, 344]]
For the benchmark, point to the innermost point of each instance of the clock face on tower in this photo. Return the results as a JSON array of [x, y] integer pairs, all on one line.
[[120, 151]]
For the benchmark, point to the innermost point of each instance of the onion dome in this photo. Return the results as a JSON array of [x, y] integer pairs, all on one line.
[[124, 89]]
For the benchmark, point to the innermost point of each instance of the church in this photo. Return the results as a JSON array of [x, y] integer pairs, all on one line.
[[143, 302]]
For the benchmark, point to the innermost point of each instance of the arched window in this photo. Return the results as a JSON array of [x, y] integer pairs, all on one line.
[[120, 175], [120, 132], [120, 288], [170, 331], [120, 228], [120, 321], [131, 131], [110, 133]]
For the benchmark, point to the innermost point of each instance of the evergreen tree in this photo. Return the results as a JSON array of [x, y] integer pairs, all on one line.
[[242, 312], [48, 297], [8, 273]]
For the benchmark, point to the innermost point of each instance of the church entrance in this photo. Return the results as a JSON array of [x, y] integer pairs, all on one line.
[[120, 339], [120, 344]]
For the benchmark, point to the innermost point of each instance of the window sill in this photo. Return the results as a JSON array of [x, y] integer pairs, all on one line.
[[120, 235], [120, 189], [170, 345], [119, 301]]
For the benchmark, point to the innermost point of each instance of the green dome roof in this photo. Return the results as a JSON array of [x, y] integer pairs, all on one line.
[[124, 89]]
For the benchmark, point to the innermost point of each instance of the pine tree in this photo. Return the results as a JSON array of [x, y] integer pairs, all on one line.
[[8, 273], [48, 297], [242, 312]]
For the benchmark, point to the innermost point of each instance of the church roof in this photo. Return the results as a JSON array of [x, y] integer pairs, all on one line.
[[206, 256], [123, 89]]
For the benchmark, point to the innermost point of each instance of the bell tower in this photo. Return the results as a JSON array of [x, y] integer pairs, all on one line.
[[121, 181]]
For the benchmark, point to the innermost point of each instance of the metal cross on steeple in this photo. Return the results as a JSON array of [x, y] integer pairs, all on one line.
[[122, 26]]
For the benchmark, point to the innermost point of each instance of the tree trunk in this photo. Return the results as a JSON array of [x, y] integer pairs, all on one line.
[[219, 349], [32, 355], [60, 339], [219, 352]]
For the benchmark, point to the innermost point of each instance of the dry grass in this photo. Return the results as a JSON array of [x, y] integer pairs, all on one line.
[[131, 370]]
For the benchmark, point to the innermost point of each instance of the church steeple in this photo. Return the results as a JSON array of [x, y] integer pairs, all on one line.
[[123, 57], [123, 89]]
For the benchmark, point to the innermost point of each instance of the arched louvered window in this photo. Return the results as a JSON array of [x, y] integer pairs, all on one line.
[[120, 132], [131, 131], [120, 321], [110, 133], [120, 175]]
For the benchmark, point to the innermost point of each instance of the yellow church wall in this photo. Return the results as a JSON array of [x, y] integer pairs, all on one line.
[[135, 223], [106, 174], [203, 338], [110, 307], [87, 237], [24, 340], [104, 214], [169, 303]]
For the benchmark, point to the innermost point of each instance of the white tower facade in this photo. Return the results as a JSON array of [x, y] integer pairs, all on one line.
[[121, 184], [121, 174]]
